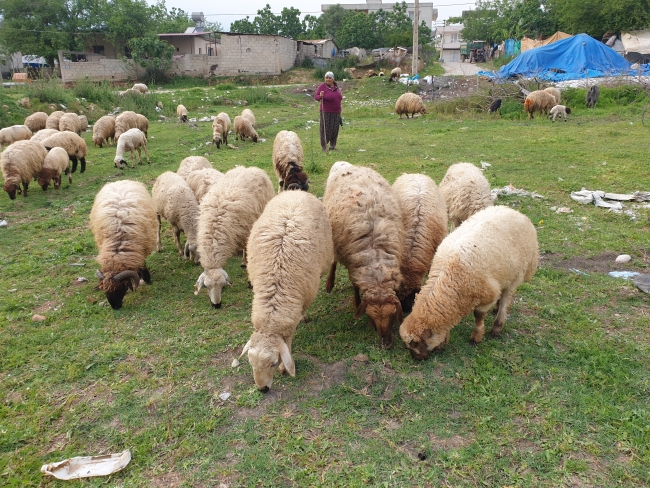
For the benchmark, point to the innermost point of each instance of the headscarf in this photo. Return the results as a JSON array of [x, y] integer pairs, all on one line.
[[329, 74]]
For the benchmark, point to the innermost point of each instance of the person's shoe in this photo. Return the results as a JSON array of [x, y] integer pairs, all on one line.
[[332, 148]]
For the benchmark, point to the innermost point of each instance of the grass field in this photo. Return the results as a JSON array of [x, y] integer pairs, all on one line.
[[560, 399]]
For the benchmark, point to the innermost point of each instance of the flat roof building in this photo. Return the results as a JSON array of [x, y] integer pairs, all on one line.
[[428, 14]]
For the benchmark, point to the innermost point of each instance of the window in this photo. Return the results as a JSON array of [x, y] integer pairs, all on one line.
[[454, 38], [199, 50], [98, 50], [411, 15]]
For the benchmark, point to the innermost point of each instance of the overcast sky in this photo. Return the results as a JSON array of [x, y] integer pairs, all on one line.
[[227, 12]]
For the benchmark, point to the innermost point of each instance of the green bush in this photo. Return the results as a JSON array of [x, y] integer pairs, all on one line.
[[13, 115], [307, 63], [140, 104], [259, 96], [101, 93], [225, 87], [609, 97], [49, 90]]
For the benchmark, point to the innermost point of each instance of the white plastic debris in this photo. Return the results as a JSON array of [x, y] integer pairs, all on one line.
[[510, 190], [223, 396], [485, 165], [624, 258], [87, 466], [235, 363], [626, 275], [81, 279], [561, 210], [3, 223]]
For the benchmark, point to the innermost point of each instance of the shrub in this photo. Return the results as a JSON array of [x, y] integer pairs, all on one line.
[[101, 93], [307, 63], [140, 104], [609, 97], [49, 90]]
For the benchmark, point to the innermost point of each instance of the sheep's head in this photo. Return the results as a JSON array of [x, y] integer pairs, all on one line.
[[296, 180], [11, 188], [116, 286], [119, 162], [254, 137], [421, 344], [190, 252], [217, 140], [43, 182], [184, 118], [214, 280], [381, 314], [423, 109], [267, 353]]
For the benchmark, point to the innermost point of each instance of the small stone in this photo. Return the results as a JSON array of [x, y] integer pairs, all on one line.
[[361, 358], [235, 363], [224, 395], [624, 258], [38, 318], [81, 279]]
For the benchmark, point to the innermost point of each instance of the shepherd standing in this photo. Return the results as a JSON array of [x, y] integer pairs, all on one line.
[[330, 98]]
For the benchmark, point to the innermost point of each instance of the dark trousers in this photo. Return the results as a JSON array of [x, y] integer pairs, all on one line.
[[329, 129]]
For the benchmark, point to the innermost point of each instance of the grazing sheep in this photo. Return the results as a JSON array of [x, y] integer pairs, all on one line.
[[181, 111], [131, 140], [83, 123], [43, 134], [244, 129], [593, 94], [290, 248], [409, 103], [125, 121], [36, 121], [466, 191], [220, 129], [424, 213], [123, 222], [143, 124], [141, 87], [227, 214], [74, 145], [24, 102], [9, 135], [104, 130], [56, 163], [21, 162], [247, 113], [130, 91], [559, 110], [368, 235], [201, 180], [287, 162], [70, 122], [192, 163], [175, 202], [478, 266], [395, 74], [53, 120], [555, 92], [494, 106], [538, 101]]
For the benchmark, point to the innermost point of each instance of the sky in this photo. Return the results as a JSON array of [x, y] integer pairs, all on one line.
[[226, 12]]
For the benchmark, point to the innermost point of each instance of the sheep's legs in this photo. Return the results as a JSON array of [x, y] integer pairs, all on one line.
[[139, 156], [329, 284], [504, 308], [479, 326], [25, 185], [159, 228], [243, 259], [147, 154], [357, 299], [177, 239]]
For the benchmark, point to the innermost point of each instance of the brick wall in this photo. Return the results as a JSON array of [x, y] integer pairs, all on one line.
[[102, 69]]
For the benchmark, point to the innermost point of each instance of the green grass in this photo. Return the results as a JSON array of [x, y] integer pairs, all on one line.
[[561, 399]]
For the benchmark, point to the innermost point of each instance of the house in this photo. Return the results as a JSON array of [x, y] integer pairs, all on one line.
[[450, 43], [316, 48], [427, 13], [10, 63], [192, 41]]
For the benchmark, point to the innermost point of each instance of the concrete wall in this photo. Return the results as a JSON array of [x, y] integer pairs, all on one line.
[[99, 68]]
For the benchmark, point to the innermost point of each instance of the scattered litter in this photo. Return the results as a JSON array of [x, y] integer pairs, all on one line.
[[626, 275], [223, 396], [485, 165], [203, 119], [235, 363], [262, 140], [623, 258], [38, 318], [76, 264], [13, 290], [642, 282], [81, 279], [561, 210], [362, 150], [87, 466], [193, 149], [510, 190], [3, 223], [577, 271], [598, 197], [208, 143], [63, 106]]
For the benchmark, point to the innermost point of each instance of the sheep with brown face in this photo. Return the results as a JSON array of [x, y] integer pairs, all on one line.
[[539, 101], [220, 129], [21, 162], [287, 162], [56, 163]]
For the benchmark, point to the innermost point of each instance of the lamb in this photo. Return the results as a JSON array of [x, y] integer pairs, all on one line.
[[424, 213], [192, 163], [74, 145], [122, 221], [593, 94], [201, 180], [9, 135], [368, 235], [56, 163], [290, 248], [478, 266], [181, 111], [53, 120], [125, 121], [130, 91], [494, 106], [21, 162], [141, 87], [244, 129], [220, 129], [555, 92], [395, 74], [559, 110], [131, 140], [227, 214], [287, 162], [409, 103], [143, 124], [36, 121], [83, 123], [466, 191], [175, 202], [248, 114], [70, 122], [538, 101], [104, 130], [43, 134]]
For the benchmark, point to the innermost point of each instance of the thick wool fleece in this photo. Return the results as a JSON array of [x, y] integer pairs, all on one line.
[[466, 191]]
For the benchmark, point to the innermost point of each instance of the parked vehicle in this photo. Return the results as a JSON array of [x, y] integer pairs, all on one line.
[[474, 51]]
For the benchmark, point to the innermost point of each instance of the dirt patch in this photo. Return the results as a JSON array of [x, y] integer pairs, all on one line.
[[602, 263], [454, 442], [46, 306], [167, 480]]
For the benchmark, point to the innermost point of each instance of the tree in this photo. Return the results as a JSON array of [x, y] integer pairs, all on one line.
[[312, 27], [358, 30], [332, 20], [213, 26], [289, 23], [266, 22], [174, 20], [152, 54], [243, 26]]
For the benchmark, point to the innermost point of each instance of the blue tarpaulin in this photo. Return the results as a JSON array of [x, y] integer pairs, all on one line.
[[569, 59]]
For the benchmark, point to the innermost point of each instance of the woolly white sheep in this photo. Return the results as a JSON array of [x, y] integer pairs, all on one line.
[[192, 163], [409, 103], [248, 114], [175, 202], [181, 111], [21, 162], [131, 140], [201, 180], [244, 129], [83, 123], [227, 214], [395, 74], [53, 120], [287, 162], [555, 92], [15, 133], [538, 101], [43, 134], [476, 267], [74, 145], [123, 222], [141, 87], [560, 110], [70, 122], [368, 235], [143, 124], [56, 163], [36, 121], [104, 130], [125, 121], [220, 129], [290, 248], [424, 213], [466, 191], [130, 91]]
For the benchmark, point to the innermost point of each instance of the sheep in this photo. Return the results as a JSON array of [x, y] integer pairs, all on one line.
[[70, 122], [131, 140], [21, 162], [226, 216], [424, 213], [53, 120], [290, 248], [83, 123], [593, 94], [24, 102], [56, 163], [478, 266], [244, 129], [395, 74], [555, 92], [43, 134], [192, 163], [494, 106], [9, 135], [368, 235], [465, 190], [175, 202], [559, 110], [409, 103], [141, 87], [130, 91], [181, 111], [201, 180], [538, 101], [248, 114], [104, 130], [122, 221], [36, 121], [143, 124], [74, 145], [220, 129], [287, 162], [125, 121]]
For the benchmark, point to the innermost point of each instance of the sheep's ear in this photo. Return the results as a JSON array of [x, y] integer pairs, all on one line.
[[246, 348], [199, 284], [361, 309], [399, 313], [287, 360], [99, 274]]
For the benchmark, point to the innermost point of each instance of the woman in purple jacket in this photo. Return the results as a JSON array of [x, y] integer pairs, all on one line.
[[330, 97]]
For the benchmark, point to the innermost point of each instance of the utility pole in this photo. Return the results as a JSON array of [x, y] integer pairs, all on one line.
[[416, 21]]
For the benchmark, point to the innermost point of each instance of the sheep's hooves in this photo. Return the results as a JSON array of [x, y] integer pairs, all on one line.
[[264, 390]]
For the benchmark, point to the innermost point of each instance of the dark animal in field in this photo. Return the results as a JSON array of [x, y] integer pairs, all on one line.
[[592, 96], [496, 105]]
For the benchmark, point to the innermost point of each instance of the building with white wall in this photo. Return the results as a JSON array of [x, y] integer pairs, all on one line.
[[450, 43], [428, 14]]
